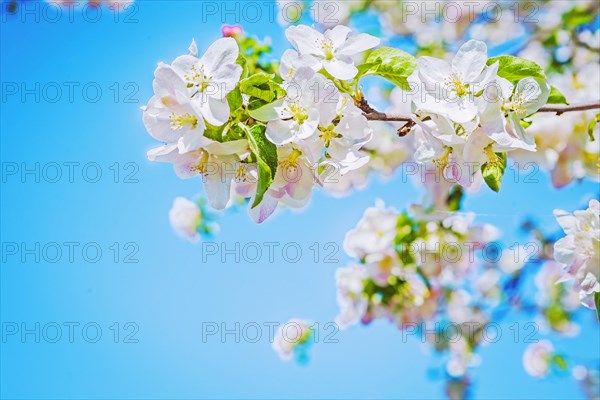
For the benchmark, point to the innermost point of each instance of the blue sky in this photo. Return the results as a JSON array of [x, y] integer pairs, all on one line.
[[169, 292]]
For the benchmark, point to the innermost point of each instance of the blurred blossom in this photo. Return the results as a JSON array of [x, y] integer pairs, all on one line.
[[537, 358], [293, 339], [579, 251]]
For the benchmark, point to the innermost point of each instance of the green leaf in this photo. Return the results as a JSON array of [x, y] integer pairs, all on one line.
[[514, 68], [556, 97], [263, 111], [234, 98], [493, 171], [266, 158], [394, 65], [241, 60], [577, 16], [597, 301], [592, 126], [454, 198], [560, 362], [214, 132], [262, 86]]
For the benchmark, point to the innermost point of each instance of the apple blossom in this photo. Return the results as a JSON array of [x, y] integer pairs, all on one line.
[[450, 89], [537, 358], [579, 251], [374, 233], [186, 218], [291, 339], [210, 78], [332, 50]]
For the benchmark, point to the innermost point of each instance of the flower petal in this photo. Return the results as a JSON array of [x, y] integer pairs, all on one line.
[[340, 69], [222, 52], [470, 60], [359, 43], [305, 39]]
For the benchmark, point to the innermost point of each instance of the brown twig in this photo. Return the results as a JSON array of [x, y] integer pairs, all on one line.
[[373, 115], [561, 109]]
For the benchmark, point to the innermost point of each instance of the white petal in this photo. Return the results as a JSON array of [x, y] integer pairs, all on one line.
[[305, 39], [433, 71], [470, 60], [222, 52], [338, 35], [279, 132], [215, 111], [340, 69], [534, 92], [226, 79], [359, 43], [218, 187], [193, 49]]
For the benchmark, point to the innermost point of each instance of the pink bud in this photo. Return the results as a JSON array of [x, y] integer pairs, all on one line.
[[231, 30]]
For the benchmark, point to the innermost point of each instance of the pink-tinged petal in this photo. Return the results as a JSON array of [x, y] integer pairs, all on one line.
[[264, 210], [300, 186], [340, 69]]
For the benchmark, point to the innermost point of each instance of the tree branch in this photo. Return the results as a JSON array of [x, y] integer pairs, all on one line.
[[373, 115], [560, 109]]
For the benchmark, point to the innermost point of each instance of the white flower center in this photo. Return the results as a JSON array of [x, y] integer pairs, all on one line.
[[197, 78]]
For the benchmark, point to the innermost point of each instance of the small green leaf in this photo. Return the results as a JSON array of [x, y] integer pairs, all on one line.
[[454, 198], [556, 97], [577, 16], [525, 123], [241, 60], [560, 362], [597, 301], [592, 126], [493, 171], [214, 132], [392, 64], [234, 98], [263, 111], [514, 68], [266, 158], [262, 86]]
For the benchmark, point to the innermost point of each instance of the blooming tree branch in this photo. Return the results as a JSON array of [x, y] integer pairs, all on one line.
[[373, 115]]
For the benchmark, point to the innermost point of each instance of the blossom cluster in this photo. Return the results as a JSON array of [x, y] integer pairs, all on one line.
[[257, 135], [579, 251], [412, 268]]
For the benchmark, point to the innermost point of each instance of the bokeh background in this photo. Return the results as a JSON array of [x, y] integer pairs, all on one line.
[[171, 291]]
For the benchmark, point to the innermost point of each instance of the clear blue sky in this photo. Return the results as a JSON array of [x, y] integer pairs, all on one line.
[[170, 292]]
